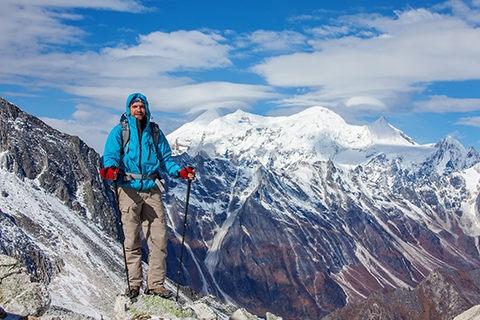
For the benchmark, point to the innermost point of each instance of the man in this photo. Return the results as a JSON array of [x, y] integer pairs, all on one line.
[[134, 164]]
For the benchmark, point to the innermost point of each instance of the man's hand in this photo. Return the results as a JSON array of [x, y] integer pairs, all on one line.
[[109, 173], [187, 173]]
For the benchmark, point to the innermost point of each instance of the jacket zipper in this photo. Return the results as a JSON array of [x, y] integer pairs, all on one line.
[[140, 156]]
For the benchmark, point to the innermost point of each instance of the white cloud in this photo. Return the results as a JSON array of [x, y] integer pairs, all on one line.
[[443, 103], [166, 52], [262, 40], [462, 10], [20, 94], [37, 25], [330, 31], [190, 98], [30, 29], [117, 5], [33, 55], [414, 47], [151, 59], [91, 124], [213, 95], [368, 101], [302, 18], [107, 76], [359, 63], [470, 121]]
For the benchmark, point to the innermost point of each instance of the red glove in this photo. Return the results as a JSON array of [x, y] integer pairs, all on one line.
[[184, 172], [107, 173]]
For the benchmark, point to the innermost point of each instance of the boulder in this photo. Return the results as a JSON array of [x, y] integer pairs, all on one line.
[[19, 295], [151, 306]]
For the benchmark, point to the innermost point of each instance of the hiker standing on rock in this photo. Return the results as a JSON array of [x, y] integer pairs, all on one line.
[[134, 152]]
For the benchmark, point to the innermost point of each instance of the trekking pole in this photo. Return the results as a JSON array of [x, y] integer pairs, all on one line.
[[121, 232], [183, 237]]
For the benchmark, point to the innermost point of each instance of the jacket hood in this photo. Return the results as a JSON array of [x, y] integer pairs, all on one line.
[[143, 98]]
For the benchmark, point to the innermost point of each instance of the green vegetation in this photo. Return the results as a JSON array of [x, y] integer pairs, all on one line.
[[152, 305]]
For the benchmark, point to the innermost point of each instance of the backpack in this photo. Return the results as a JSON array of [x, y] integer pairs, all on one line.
[[125, 143], [126, 132]]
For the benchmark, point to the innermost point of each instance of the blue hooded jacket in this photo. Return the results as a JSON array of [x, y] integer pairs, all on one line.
[[141, 156]]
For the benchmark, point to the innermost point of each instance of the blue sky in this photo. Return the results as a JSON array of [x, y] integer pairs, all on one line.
[[73, 63]]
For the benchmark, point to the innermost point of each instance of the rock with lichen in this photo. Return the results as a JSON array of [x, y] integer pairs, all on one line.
[[18, 294], [206, 308], [149, 305]]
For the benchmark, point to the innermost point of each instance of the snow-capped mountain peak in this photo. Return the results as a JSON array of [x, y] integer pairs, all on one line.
[[315, 134], [383, 131]]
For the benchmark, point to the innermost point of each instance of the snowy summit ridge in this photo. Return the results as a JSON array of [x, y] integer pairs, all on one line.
[[315, 134]]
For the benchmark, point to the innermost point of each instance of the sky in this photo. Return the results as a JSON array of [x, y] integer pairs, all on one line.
[[73, 63]]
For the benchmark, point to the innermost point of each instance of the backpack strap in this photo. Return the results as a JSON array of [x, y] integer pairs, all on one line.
[[155, 133], [125, 132]]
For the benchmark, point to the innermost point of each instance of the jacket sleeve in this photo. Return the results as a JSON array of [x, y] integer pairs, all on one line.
[[167, 164], [113, 147]]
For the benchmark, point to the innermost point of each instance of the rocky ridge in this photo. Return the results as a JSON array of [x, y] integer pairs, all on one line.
[[22, 298], [58, 163], [62, 164], [442, 295]]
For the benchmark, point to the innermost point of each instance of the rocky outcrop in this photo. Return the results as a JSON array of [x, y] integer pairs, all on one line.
[[206, 308], [62, 164], [471, 314], [18, 294], [15, 243], [21, 298], [24, 299], [443, 295]]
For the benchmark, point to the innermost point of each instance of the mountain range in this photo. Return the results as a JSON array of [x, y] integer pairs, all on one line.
[[307, 213], [297, 215]]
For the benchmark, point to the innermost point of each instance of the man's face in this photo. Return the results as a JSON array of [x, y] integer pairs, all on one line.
[[138, 110]]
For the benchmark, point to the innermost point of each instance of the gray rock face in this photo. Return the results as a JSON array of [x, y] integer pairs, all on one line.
[[443, 295], [62, 165], [271, 242], [15, 243], [18, 294]]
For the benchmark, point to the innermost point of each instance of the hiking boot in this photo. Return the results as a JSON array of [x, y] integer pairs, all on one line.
[[161, 292], [133, 292]]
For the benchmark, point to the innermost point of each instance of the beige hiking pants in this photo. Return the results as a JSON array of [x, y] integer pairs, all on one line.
[[145, 209]]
